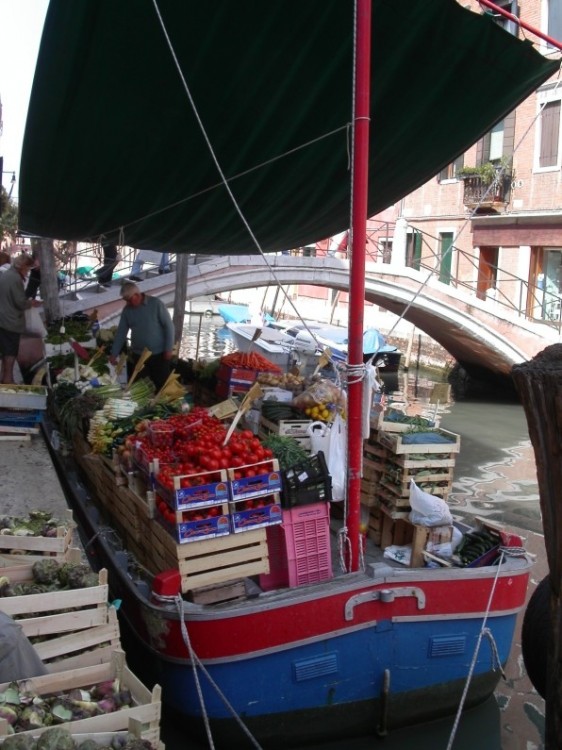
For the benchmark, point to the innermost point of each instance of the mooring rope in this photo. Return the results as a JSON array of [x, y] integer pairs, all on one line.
[[485, 632], [197, 663]]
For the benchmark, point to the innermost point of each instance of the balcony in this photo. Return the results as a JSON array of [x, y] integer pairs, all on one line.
[[487, 195]]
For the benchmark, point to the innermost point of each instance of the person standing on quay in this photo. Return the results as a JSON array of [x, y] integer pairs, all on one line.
[[13, 304], [151, 328]]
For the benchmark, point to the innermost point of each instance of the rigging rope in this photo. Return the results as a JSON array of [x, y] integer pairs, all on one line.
[[485, 632], [197, 663]]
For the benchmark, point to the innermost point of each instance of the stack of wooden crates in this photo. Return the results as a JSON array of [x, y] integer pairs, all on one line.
[[391, 459]]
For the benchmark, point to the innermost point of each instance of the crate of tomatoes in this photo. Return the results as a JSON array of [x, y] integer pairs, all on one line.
[[255, 513], [254, 480], [193, 525], [187, 491]]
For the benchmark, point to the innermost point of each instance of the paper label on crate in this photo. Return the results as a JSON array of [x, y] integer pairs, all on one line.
[[256, 518], [204, 493], [262, 484], [192, 531]]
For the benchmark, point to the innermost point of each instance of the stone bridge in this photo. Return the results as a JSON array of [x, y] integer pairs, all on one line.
[[477, 333]]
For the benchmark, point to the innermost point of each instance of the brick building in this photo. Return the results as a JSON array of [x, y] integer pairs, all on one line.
[[491, 222]]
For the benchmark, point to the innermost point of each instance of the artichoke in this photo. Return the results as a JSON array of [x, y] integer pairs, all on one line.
[[55, 738], [88, 745], [46, 570], [18, 742]]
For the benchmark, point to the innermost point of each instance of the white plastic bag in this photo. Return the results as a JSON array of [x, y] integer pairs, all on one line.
[[428, 510], [336, 457], [34, 325], [319, 433]]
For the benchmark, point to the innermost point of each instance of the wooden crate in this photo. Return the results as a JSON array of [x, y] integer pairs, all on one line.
[[435, 482], [69, 628], [210, 561], [396, 442], [295, 428], [146, 708], [400, 531], [221, 592], [39, 546], [380, 421]]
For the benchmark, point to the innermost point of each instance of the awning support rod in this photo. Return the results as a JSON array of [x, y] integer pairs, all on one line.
[[523, 24]]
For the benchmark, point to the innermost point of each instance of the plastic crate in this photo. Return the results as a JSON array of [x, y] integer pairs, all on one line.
[[308, 482], [23, 396], [300, 551], [278, 576]]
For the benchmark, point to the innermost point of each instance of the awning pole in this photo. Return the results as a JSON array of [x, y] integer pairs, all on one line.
[[523, 24], [357, 273]]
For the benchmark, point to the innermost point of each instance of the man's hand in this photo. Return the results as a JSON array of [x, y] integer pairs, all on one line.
[[168, 355], [113, 359]]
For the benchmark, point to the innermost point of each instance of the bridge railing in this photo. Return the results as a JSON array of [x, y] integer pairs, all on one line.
[[515, 294], [82, 266]]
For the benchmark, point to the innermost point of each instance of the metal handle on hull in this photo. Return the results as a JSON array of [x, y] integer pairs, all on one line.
[[384, 595]]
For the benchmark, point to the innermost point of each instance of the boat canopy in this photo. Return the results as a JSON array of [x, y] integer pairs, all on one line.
[[116, 140]]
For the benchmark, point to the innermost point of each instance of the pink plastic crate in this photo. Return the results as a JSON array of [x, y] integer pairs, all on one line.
[[299, 550], [278, 576]]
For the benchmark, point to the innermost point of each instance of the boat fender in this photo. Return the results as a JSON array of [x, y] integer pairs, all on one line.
[[536, 635], [166, 586]]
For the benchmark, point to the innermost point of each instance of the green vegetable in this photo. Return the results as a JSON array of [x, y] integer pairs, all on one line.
[[18, 742], [55, 738], [286, 449]]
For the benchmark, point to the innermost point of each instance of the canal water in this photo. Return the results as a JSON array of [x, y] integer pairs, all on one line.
[[495, 478]]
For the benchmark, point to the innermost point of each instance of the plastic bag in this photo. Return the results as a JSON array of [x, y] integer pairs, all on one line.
[[34, 325], [399, 553], [428, 510], [322, 391], [336, 457], [319, 433]]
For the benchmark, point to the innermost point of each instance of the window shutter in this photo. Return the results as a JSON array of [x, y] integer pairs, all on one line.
[[550, 132]]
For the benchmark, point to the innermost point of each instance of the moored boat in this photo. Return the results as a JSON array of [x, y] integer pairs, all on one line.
[[388, 645], [383, 643]]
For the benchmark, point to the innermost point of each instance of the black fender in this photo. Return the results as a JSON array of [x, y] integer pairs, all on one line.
[[536, 634]]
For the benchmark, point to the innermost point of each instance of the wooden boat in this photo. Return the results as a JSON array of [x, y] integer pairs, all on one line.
[[385, 646], [381, 645]]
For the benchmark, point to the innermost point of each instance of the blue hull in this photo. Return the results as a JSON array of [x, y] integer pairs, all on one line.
[[318, 688]]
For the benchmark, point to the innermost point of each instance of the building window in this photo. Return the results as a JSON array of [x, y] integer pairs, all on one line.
[[554, 19], [511, 6], [496, 142], [414, 249], [549, 135], [445, 256], [385, 249], [450, 171]]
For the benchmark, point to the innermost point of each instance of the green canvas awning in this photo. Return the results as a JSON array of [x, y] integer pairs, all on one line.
[[113, 145]]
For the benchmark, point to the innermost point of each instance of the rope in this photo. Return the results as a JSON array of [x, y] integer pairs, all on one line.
[[484, 632], [197, 663]]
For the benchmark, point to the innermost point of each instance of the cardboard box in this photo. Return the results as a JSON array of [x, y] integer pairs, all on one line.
[[264, 483], [209, 492], [185, 531], [255, 513]]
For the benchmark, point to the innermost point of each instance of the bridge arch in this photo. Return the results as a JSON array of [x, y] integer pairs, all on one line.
[[476, 333]]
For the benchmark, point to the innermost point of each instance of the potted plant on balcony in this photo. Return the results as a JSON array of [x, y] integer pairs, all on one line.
[[487, 172]]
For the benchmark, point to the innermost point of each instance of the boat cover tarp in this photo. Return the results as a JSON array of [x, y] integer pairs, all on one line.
[[113, 146]]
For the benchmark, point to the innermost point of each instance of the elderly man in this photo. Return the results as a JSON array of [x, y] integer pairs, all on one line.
[[151, 328], [13, 304]]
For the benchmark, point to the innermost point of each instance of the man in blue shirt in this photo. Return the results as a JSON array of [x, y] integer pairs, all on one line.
[[151, 328]]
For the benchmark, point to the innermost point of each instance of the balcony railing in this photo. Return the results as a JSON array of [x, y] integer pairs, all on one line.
[[479, 193]]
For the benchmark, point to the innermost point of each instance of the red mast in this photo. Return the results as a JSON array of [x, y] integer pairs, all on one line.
[[357, 273]]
